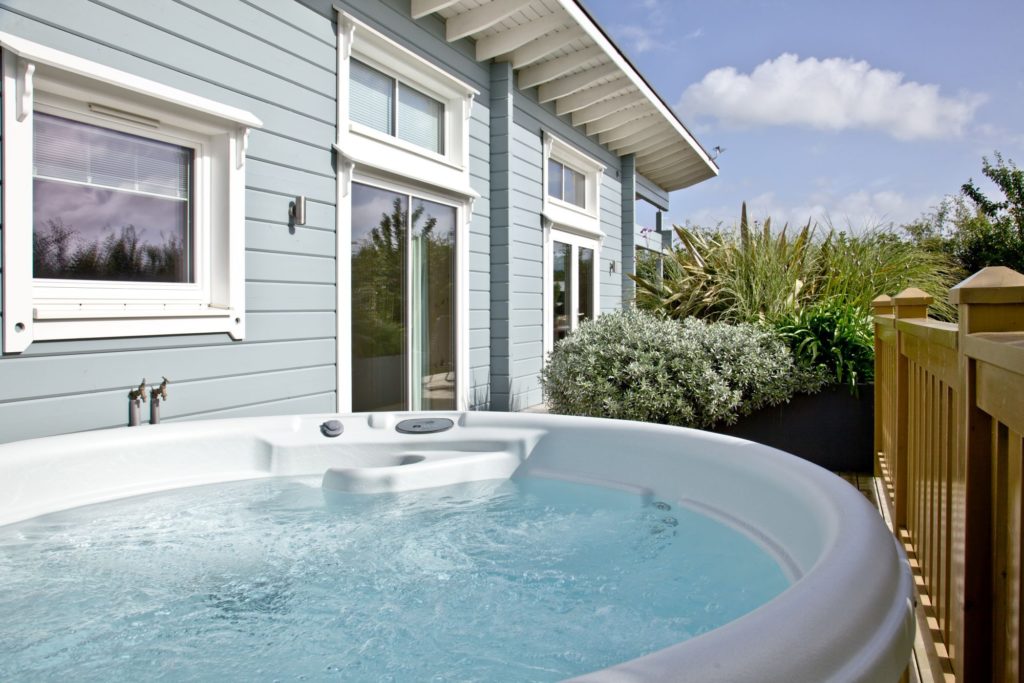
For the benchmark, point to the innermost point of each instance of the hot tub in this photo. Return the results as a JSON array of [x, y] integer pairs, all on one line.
[[847, 614]]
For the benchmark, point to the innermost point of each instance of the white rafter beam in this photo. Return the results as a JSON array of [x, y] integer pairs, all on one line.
[[532, 76], [636, 140], [677, 181], [666, 153], [514, 38], [481, 18], [567, 85], [601, 109], [675, 164], [579, 100], [648, 146], [421, 8], [537, 50], [618, 118], [630, 130]]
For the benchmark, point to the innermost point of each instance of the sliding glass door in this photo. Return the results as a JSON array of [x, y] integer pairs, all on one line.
[[403, 301]]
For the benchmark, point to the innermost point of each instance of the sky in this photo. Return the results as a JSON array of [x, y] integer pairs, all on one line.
[[861, 113]]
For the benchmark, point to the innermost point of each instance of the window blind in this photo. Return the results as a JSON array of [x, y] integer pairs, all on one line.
[[420, 119], [371, 97], [82, 153]]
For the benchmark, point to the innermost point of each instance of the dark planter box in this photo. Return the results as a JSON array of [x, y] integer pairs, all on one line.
[[833, 429]]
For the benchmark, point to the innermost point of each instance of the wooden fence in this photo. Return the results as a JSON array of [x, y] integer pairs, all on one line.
[[949, 402]]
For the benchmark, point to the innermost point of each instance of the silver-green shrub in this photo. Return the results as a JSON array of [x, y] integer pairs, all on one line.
[[635, 365]]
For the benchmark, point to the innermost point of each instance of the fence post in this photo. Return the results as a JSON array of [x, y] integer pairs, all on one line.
[[880, 305], [991, 300], [910, 303]]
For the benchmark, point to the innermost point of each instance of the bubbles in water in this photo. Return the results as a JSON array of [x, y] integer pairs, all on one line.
[[525, 580]]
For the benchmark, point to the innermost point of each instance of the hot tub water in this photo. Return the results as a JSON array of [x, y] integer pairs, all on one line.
[[519, 580]]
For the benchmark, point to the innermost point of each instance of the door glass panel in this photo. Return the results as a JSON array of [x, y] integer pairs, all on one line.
[[562, 291], [379, 219], [586, 285], [433, 305]]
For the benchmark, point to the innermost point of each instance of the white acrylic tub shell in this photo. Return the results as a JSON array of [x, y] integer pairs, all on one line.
[[847, 617]]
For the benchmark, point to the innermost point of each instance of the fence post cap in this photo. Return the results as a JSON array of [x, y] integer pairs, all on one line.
[[912, 296], [882, 304], [991, 285]]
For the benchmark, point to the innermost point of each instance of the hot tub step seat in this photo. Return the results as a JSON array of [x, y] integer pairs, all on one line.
[[420, 470]]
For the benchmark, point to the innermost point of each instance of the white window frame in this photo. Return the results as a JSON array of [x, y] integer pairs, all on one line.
[[552, 234], [38, 77], [585, 219], [463, 208], [363, 146]]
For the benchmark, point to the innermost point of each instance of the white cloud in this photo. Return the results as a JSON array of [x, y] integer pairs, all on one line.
[[639, 38], [829, 94], [853, 212]]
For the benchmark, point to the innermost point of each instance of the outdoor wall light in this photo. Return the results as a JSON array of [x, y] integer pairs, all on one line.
[[297, 211]]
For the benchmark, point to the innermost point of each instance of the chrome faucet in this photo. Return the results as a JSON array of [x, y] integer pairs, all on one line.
[[136, 397], [156, 395]]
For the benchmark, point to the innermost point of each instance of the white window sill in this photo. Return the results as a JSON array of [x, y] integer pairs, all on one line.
[[572, 219]]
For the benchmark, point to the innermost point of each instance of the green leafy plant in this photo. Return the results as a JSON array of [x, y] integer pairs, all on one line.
[[637, 365], [753, 274], [757, 274], [835, 338]]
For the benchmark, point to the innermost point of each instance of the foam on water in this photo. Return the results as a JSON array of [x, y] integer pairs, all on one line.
[[522, 580]]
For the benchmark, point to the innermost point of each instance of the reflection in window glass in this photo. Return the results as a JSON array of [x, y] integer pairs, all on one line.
[[371, 97], [586, 285], [108, 205], [561, 262], [379, 219], [420, 119], [433, 305]]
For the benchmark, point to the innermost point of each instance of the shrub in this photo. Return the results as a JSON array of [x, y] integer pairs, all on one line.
[[833, 338], [635, 365]]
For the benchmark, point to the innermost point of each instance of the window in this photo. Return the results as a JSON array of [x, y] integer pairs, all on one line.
[[389, 106], [130, 218], [567, 184], [572, 182], [401, 114]]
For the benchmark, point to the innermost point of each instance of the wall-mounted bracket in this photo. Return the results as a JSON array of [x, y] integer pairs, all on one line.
[[26, 72]]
